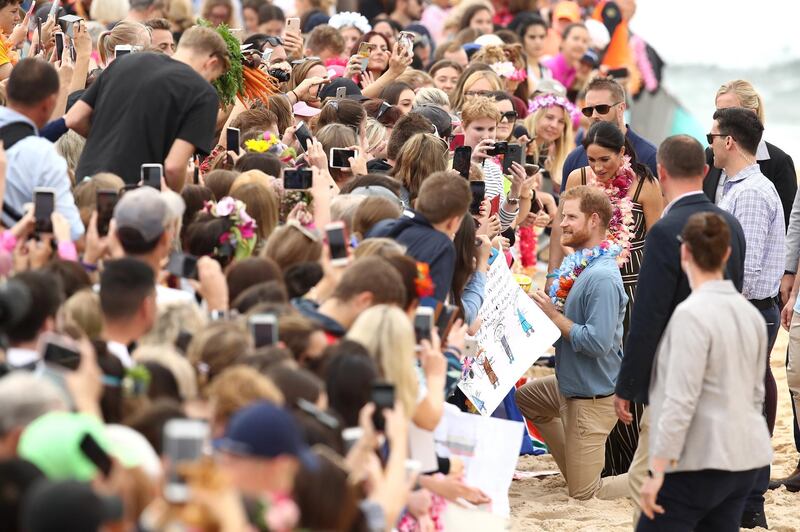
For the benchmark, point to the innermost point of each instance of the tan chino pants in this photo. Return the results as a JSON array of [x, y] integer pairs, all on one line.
[[575, 431]]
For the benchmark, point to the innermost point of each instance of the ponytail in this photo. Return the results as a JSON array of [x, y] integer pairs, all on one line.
[[101, 47]]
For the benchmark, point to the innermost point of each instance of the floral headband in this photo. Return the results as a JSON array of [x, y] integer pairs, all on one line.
[[549, 100], [272, 145], [505, 69], [348, 19], [240, 240]]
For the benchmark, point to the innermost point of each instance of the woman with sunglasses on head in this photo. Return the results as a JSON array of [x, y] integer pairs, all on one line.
[[478, 79]]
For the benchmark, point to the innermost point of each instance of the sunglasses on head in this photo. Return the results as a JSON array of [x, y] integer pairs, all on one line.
[[304, 60], [511, 116], [601, 109], [470, 94], [273, 41], [385, 106]]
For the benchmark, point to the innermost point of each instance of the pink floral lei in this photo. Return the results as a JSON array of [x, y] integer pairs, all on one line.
[[620, 229]]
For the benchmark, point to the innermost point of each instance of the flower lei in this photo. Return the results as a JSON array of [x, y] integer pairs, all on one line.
[[240, 240], [572, 266], [550, 100], [620, 228], [272, 145], [506, 69]]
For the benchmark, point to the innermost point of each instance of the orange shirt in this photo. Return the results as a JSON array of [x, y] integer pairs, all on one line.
[[7, 54]]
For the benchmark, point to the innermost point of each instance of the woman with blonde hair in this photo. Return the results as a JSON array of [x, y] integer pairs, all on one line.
[[70, 146], [478, 79], [85, 193], [550, 125], [82, 310], [431, 96], [292, 244], [125, 32], [215, 348], [775, 164], [388, 335], [262, 204], [108, 12], [422, 155]]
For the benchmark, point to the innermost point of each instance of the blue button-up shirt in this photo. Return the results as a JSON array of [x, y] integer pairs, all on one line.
[[33, 162], [587, 363], [752, 198]]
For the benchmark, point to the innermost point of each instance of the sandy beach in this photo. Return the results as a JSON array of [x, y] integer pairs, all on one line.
[[543, 505]]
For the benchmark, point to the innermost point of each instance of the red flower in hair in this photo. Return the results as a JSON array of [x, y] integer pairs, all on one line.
[[423, 282]]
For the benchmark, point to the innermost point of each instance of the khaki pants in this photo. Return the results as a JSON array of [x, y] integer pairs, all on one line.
[[575, 431], [640, 465], [793, 361]]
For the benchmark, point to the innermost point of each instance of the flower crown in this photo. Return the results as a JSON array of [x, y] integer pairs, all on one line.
[[349, 19], [506, 69], [550, 100], [272, 145], [240, 240], [423, 282]]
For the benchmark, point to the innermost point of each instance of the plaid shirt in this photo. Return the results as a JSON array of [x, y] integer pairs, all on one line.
[[752, 198]]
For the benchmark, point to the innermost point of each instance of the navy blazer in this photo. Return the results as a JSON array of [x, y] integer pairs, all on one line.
[[779, 169], [662, 285]]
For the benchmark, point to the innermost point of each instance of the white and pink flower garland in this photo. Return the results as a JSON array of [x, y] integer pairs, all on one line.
[[620, 229]]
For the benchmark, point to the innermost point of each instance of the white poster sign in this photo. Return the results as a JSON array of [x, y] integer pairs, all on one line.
[[514, 333]]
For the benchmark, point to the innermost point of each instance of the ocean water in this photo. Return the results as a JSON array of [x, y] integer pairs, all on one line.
[[708, 42]]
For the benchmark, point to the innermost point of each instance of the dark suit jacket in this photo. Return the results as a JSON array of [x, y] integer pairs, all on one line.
[[779, 169], [662, 285]]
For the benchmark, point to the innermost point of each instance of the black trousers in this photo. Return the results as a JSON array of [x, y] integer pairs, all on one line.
[[708, 500]]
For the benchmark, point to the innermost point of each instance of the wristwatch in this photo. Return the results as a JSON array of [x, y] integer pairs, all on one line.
[[512, 200]]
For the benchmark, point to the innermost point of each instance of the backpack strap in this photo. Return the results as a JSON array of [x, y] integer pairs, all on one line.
[[10, 134]]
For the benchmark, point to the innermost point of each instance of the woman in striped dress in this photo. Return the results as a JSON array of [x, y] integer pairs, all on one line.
[[637, 201]]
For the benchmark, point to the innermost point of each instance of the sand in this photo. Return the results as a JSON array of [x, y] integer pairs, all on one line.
[[543, 504]]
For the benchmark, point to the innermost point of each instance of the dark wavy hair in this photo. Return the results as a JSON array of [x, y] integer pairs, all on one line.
[[607, 135]]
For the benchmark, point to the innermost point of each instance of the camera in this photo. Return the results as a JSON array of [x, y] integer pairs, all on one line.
[[500, 148], [279, 74]]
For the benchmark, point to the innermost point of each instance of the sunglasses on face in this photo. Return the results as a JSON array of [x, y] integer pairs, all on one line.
[[470, 94], [511, 116], [601, 109], [710, 137]]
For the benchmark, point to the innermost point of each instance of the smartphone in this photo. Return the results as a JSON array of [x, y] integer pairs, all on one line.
[[364, 50], [303, 135], [122, 49], [494, 205], [478, 189], [514, 153], [60, 351], [293, 25], [423, 323], [59, 46], [337, 243], [445, 321], [499, 148], [106, 201], [462, 159], [457, 141], [406, 42], [196, 173], [340, 157], [54, 8], [39, 34], [299, 179], [382, 396], [341, 92], [182, 265], [233, 141], [44, 204], [618, 73], [264, 328], [67, 23], [151, 174], [96, 455], [183, 443]]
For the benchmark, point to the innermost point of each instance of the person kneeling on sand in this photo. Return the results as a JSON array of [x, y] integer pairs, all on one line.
[[574, 409]]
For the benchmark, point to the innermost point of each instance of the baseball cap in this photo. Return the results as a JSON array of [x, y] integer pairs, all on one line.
[[351, 89], [303, 109], [146, 211], [567, 9], [67, 505], [263, 430], [52, 443], [440, 118]]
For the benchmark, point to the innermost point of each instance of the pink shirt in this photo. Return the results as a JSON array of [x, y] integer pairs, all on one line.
[[561, 70]]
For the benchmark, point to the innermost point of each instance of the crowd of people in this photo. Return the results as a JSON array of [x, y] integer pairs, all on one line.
[[247, 246]]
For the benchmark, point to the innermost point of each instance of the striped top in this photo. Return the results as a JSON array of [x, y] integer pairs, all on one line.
[[493, 177]]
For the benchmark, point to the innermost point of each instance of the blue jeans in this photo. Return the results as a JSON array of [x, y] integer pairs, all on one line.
[[755, 500]]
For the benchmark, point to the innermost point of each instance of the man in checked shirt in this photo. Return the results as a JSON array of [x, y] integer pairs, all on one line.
[[752, 198]]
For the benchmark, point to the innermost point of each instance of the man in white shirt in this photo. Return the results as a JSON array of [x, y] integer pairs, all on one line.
[[128, 302]]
